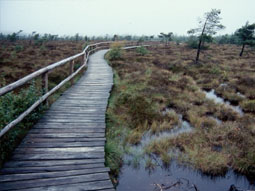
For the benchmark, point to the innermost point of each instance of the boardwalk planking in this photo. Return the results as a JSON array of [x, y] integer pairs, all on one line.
[[65, 149]]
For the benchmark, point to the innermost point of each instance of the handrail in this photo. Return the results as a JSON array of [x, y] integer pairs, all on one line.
[[44, 72]]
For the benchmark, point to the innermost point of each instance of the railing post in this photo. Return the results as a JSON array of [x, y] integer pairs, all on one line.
[[85, 57], [71, 68], [82, 59], [45, 86]]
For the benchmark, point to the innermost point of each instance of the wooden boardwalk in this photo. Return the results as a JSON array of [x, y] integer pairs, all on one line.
[[65, 149]]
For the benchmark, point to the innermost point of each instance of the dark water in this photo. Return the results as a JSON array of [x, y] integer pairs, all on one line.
[[141, 179], [135, 176]]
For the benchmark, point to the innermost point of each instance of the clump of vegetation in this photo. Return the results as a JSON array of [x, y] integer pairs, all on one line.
[[142, 50], [248, 105], [171, 81], [113, 158], [11, 106], [116, 52]]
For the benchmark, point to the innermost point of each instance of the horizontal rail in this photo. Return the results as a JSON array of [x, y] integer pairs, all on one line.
[[38, 102], [86, 52], [37, 73]]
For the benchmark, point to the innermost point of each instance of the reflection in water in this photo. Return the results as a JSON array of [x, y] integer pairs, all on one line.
[[158, 177], [211, 95], [140, 179]]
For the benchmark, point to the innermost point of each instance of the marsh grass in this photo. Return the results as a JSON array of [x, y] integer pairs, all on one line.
[[148, 84]]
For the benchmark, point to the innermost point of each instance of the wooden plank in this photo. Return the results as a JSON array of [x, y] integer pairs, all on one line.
[[29, 170], [65, 150], [62, 145], [37, 103], [59, 150], [65, 135], [61, 140], [40, 175], [68, 130], [51, 163], [58, 156], [78, 124], [70, 120], [54, 181], [98, 185]]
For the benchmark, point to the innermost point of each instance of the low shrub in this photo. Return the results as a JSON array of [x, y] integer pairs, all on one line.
[[19, 48], [116, 52], [11, 106], [142, 50]]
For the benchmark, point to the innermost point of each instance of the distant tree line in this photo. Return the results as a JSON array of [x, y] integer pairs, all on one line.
[[197, 38]]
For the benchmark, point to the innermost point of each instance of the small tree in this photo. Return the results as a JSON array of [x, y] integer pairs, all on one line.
[[14, 36], [166, 37], [246, 35], [140, 41], [115, 38], [208, 26]]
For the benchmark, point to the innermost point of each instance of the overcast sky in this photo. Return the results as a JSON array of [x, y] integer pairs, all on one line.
[[135, 17]]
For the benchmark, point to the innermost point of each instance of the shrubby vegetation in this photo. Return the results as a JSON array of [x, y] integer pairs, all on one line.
[[116, 52], [147, 85], [11, 106], [142, 50]]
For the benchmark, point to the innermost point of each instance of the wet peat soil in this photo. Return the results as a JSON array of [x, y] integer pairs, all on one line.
[[155, 94]]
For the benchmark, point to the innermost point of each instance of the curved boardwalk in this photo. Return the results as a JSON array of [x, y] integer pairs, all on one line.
[[65, 149]]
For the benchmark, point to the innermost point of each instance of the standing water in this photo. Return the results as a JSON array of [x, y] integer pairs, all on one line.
[[159, 177], [211, 95], [177, 177]]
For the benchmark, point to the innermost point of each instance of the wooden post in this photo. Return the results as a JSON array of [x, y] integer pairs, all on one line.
[[45, 86], [84, 57], [71, 68]]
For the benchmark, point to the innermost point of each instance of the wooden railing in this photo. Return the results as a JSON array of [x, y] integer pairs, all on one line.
[[44, 72]]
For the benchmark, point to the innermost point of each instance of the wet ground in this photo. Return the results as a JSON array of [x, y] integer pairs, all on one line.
[[212, 95], [176, 177], [135, 174]]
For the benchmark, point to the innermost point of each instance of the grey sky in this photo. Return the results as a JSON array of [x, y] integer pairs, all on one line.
[[135, 17]]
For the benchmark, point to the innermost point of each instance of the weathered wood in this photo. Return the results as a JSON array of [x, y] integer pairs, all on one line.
[[54, 181], [37, 73], [59, 150], [18, 177], [45, 85], [42, 99], [65, 135], [71, 68], [62, 145], [51, 163], [53, 168], [104, 185], [65, 149], [71, 130], [59, 155], [63, 140]]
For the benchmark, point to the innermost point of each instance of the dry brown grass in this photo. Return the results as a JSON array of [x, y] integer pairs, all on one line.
[[17, 64], [168, 77]]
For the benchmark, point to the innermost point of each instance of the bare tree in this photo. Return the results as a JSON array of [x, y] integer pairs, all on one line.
[[208, 26]]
